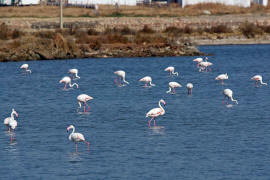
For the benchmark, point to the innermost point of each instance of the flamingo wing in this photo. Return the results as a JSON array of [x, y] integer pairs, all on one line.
[[154, 112], [77, 137]]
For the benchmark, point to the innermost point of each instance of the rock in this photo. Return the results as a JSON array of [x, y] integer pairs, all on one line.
[[206, 12]]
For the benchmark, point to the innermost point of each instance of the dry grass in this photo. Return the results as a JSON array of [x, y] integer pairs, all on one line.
[[106, 10]]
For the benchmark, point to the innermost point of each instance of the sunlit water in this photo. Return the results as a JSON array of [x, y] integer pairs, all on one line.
[[199, 138]]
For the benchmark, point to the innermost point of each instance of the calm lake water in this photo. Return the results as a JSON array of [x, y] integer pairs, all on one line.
[[201, 139]]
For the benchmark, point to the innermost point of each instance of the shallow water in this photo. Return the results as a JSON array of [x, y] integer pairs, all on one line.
[[200, 138]]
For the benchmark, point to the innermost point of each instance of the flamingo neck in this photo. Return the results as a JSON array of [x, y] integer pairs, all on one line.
[[74, 84], [151, 84], [12, 115], [124, 80], [161, 107], [76, 75], [263, 82], [175, 73], [73, 130], [170, 89], [234, 100]]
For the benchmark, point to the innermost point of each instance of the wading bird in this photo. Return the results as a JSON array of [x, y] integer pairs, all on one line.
[[222, 77], [76, 137], [258, 78], [189, 88], [171, 70], [147, 79], [173, 85], [25, 68], [74, 73], [153, 113], [120, 74], [228, 93], [83, 98], [6, 120], [67, 80]]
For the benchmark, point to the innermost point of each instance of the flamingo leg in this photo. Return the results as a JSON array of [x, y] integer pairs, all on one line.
[[221, 82], [145, 85], [88, 144], [76, 147], [223, 100], [65, 86], [173, 90], [256, 84], [115, 81], [209, 69], [170, 73], [13, 134], [154, 123], [149, 122], [11, 138], [88, 107], [119, 81], [84, 108], [190, 91]]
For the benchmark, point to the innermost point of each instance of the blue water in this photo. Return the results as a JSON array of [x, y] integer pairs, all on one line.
[[201, 139]]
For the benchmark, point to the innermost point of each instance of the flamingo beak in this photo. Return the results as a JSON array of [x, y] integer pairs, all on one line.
[[67, 129], [17, 114]]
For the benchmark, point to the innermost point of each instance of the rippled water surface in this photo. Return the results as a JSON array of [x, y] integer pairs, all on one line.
[[201, 138]]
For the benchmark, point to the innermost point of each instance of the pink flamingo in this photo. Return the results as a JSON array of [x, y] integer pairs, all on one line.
[[198, 60], [222, 77], [258, 78], [6, 120], [171, 70], [153, 113], [228, 93], [147, 79], [83, 98], [25, 67], [173, 85], [205, 66], [74, 72], [119, 75], [189, 87], [76, 137], [67, 80]]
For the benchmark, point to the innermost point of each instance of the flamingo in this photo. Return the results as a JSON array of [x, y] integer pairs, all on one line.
[[25, 67], [258, 78], [120, 74], [171, 70], [74, 72], [147, 79], [198, 60], [67, 80], [205, 65], [76, 137], [6, 120], [222, 77], [153, 113], [189, 87], [228, 93], [83, 98], [173, 85]]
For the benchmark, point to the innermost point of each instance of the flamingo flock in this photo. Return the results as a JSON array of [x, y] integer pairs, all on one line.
[[120, 81]]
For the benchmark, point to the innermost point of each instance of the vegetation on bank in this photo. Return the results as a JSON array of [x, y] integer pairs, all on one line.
[[81, 43], [173, 10]]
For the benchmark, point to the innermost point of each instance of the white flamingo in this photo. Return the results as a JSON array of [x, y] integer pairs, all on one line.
[[171, 70], [147, 79], [173, 85], [222, 77], [189, 88], [6, 120], [205, 65], [25, 68], [198, 60], [153, 113], [74, 72], [76, 137], [67, 80], [119, 75], [83, 98], [258, 78], [228, 93]]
